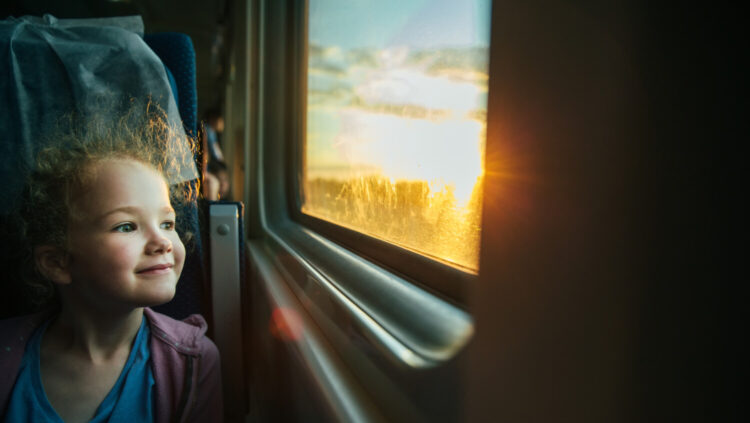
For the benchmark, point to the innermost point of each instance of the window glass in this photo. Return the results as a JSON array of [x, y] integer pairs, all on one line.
[[396, 108]]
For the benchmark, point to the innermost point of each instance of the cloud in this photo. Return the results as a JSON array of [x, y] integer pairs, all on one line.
[[458, 64], [326, 61], [330, 96], [362, 57], [409, 111], [403, 85], [327, 69]]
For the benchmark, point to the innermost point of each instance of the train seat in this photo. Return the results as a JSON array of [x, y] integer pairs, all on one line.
[[178, 55]]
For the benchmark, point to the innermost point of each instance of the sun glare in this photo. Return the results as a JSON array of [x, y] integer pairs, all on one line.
[[395, 142]]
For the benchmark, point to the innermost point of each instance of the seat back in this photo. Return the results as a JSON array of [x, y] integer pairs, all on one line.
[[177, 53]]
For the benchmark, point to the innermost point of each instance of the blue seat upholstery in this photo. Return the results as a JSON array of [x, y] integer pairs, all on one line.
[[177, 52]]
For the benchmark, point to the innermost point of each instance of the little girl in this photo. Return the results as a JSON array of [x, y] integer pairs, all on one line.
[[103, 247]]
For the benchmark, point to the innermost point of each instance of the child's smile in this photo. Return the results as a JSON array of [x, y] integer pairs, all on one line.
[[123, 249], [159, 269]]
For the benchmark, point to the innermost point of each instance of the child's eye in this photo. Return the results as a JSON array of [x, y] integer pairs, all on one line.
[[169, 225], [125, 227]]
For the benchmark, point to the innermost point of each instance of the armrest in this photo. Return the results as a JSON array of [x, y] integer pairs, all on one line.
[[226, 262]]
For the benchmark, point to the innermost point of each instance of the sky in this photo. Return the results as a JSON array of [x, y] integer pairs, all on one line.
[[384, 23], [398, 88]]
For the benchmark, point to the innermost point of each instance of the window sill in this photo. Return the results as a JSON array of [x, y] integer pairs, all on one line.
[[408, 324]]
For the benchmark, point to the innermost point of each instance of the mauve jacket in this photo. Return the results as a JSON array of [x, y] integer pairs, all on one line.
[[184, 361]]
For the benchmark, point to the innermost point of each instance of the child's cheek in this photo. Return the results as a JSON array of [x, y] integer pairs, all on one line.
[[179, 255]]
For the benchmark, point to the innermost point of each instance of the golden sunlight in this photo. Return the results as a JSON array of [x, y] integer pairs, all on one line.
[[395, 146]]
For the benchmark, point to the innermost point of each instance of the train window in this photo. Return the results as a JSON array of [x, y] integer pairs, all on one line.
[[395, 122], [376, 309]]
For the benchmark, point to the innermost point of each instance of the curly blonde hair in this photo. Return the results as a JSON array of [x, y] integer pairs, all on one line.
[[142, 134]]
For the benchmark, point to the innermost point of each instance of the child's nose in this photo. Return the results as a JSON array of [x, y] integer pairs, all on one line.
[[158, 244]]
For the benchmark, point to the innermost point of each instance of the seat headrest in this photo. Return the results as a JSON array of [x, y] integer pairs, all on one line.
[[53, 67]]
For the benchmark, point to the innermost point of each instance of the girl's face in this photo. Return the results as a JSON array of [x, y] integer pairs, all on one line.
[[123, 250]]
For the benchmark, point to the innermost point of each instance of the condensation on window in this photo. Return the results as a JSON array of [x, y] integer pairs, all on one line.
[[396, 119]]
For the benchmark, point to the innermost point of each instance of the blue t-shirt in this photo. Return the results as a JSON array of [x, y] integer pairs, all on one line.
[[129, 400]]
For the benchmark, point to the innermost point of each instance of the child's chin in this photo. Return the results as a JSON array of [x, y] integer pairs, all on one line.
[[160, 297]]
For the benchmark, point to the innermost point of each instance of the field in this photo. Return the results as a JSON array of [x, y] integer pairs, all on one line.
[[417, 215]]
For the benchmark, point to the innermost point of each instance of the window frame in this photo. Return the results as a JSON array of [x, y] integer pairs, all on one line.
[[448, 281], [372, 282], [384, 327]]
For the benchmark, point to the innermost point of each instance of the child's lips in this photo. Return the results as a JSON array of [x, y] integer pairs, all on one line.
[[156, 269]]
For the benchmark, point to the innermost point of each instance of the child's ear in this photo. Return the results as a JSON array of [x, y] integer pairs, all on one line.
[[52, 263]]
